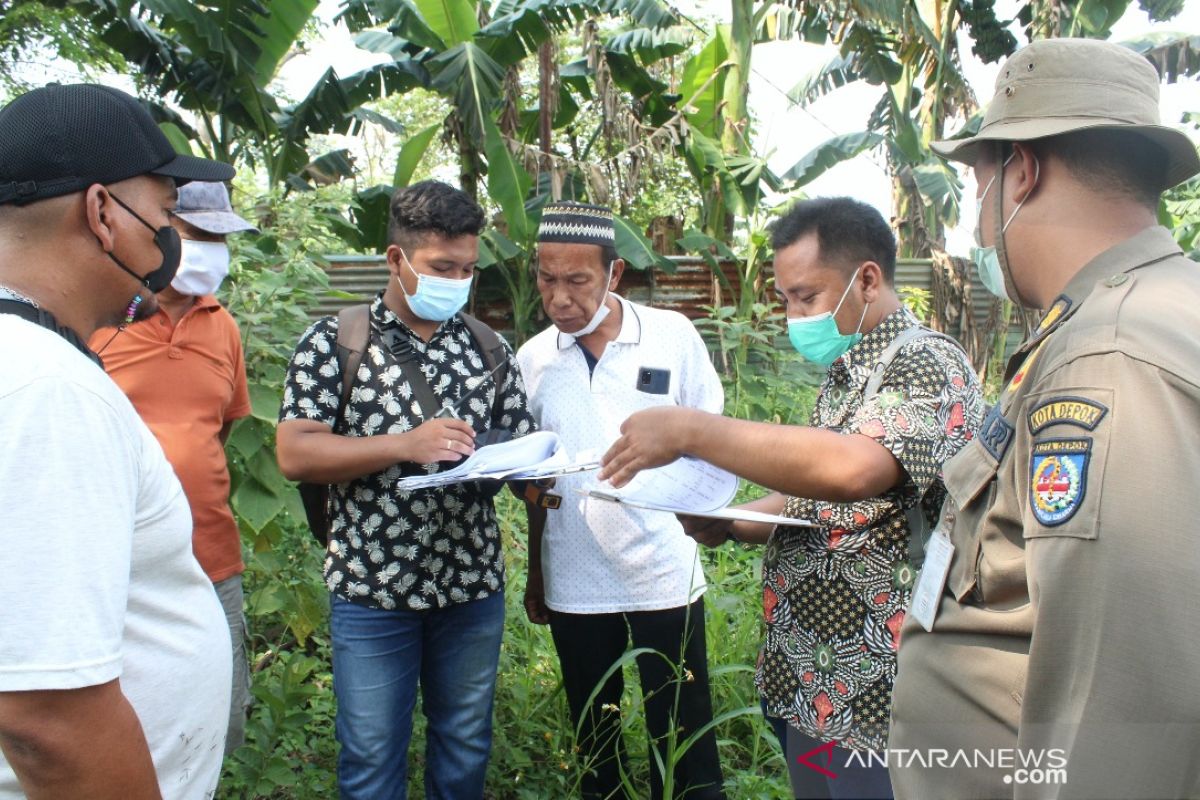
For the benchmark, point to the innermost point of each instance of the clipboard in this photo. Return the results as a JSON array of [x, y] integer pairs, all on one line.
[[728, 512]]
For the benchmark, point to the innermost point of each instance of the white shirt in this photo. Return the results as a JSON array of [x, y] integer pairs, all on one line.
[[97, 576], [600, 557]]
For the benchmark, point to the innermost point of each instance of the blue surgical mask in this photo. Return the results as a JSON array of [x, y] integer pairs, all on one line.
[[436, 299], [818, 339], [987, 259]]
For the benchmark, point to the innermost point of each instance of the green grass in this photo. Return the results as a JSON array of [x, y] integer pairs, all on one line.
[[533, 755], [291, 751]]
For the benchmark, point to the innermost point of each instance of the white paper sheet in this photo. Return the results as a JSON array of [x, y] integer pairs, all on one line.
[[684, 483], [687, 486], [537, 455], [720, 513]]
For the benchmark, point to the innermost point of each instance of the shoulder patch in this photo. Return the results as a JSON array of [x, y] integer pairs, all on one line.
[[1058, 478], [1079, 411], [996, 433], [1061, 306]]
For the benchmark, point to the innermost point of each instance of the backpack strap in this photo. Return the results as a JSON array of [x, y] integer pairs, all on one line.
[[353, 337], [918, 523], [405, 354], [494, 355], [408, 362], [879, 371]]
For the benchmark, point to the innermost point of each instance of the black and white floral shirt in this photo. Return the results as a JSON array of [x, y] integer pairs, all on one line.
[[834, 597], [394, 549]]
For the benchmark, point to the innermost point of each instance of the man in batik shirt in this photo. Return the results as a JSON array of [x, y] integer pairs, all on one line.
[[834, 593]]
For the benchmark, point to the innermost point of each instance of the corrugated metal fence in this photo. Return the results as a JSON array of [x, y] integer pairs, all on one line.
[[688, 290]]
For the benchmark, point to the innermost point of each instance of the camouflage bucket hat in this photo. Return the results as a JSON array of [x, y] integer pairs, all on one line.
[[1056, 86]]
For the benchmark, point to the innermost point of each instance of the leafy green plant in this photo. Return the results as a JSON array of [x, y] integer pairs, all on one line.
[[276, 277], [1180, 208], [917, 300], [288, 733], [764, 378]]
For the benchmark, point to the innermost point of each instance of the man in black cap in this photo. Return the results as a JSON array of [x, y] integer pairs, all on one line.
[[115, 656], [602, 574]]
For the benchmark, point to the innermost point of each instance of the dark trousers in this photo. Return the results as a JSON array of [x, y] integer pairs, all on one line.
[[588, 645], [853, 782]]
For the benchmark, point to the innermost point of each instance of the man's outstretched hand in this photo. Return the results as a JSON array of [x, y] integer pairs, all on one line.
[[650, 438]]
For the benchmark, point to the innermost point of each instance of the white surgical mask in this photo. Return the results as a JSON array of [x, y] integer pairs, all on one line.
[[202, 267], [601, 312]]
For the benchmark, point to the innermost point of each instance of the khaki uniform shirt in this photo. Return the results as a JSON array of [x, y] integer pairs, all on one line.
[[1066, 649]]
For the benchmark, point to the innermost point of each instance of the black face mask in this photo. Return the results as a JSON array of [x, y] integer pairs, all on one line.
[[167, 240]]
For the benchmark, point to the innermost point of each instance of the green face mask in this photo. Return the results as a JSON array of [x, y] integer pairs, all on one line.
[[818, 339]]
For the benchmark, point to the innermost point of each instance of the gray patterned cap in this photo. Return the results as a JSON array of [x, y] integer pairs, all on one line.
[[207, 206], [577, 223]]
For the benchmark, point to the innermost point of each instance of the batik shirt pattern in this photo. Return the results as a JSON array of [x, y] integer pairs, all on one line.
[[395, 549], [834, 597]]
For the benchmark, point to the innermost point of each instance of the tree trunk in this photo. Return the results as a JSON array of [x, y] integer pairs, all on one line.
[[470, 165], [909, 222], [546, 96], [734, 136]]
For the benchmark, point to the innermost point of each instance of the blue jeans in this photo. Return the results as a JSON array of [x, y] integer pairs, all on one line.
[[379, 658]]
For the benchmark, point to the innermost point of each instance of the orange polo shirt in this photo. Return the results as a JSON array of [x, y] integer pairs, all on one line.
[[186, 382]]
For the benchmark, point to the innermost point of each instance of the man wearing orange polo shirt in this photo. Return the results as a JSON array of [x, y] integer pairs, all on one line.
[[184, 373]]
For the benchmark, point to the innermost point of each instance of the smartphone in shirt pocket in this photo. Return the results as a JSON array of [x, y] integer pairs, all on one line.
[[653, 380]]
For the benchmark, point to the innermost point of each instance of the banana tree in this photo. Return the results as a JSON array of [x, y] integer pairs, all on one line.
[[469, 54], [910, 50], [1092, 19], [217, 60]]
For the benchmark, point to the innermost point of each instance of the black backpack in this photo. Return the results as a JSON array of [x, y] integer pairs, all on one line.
[[354, 335]]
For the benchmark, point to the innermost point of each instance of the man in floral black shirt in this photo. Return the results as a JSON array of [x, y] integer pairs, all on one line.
[[834, 595], [416, 577]]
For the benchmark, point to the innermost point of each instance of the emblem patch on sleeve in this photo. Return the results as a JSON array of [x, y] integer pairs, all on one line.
[[1058, 478], [996, 433], [1078, 411]]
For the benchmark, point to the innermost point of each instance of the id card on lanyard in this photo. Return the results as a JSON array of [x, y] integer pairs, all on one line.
[[931, 584]]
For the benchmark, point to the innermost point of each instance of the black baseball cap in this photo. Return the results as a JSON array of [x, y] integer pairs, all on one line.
[[59, 140]]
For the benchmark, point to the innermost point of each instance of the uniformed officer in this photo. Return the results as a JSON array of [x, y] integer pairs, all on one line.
[[1063, 583]]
